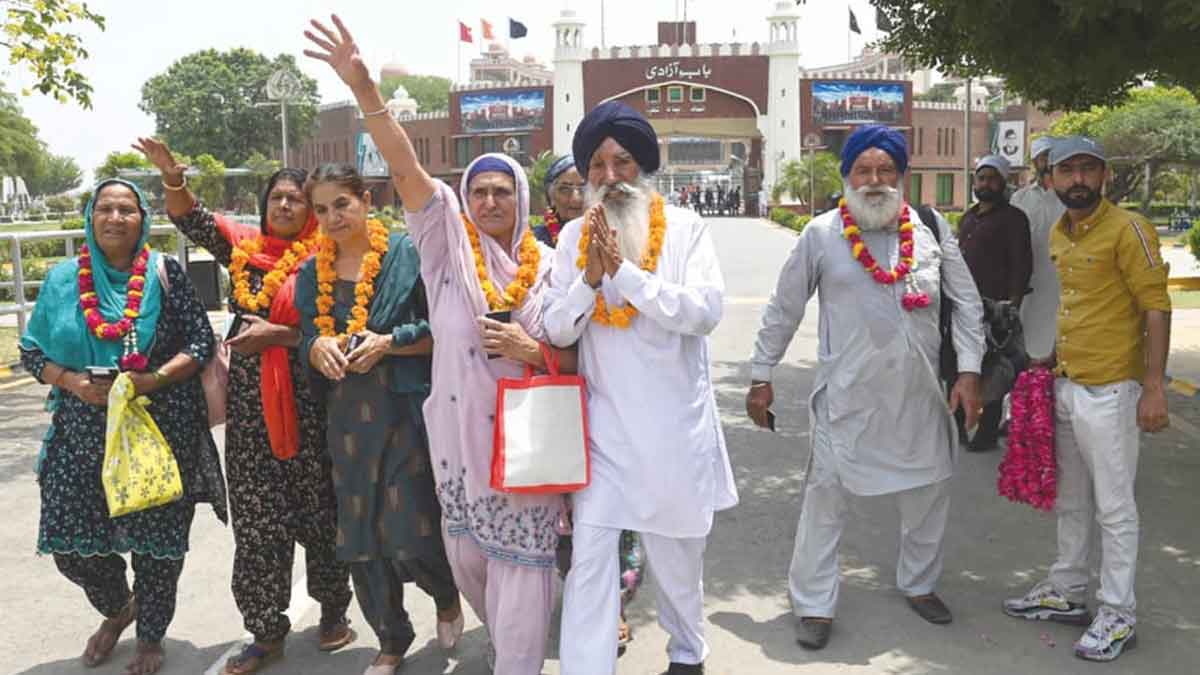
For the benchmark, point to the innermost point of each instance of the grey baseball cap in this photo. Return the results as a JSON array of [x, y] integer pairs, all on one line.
[[996, 162], [1041, 144], [1070, 146]]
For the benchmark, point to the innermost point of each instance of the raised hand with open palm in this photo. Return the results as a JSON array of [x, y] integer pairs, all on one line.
[[340, 52]]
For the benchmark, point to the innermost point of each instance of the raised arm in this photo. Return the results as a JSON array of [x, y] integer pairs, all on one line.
[[196, 223], [339, 50]]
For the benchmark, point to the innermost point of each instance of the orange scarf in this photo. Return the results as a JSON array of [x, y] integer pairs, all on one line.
[[275, 375]]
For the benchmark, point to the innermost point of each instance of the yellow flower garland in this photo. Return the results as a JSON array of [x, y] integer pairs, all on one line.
[[529, 257], [272, 281], [622, 317], [364, 290]]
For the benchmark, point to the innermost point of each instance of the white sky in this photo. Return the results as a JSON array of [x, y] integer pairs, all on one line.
[[143, 38]]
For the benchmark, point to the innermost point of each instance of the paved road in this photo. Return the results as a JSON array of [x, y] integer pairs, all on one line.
[[993, 549]]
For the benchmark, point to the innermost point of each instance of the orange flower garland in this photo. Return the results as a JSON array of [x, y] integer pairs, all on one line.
[[528, 256], [364, 290], [622, 317], [273, 280], [858, 249]]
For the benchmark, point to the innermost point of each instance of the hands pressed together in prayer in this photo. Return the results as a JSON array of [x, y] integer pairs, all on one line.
[[604, 255]]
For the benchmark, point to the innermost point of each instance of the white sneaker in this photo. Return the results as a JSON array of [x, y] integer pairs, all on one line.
[[1046, 603], [1109, 635]]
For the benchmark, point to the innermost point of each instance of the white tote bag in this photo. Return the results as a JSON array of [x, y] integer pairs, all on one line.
[[541, 434]]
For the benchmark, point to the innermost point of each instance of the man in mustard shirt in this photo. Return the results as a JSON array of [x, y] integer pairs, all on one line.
[[1110, 361]]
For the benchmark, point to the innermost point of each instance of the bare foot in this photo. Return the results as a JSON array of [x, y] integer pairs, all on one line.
[[101, 643], [147, 660], [388, 659], [448, 615]]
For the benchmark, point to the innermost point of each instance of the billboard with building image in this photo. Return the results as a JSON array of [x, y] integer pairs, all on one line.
[[849, 102], [510, 110]]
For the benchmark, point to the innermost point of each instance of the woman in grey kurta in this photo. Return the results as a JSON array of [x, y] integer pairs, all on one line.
[[388, 514]]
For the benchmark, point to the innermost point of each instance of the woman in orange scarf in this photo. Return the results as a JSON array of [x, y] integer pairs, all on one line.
[[279, 473]]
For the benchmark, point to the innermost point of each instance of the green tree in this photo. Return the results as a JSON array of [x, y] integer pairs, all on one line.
[[55, 175], [20, 149], [537, 174], [432, 93], [942, 92], [209, 184], [260, 169], [36, 35], [205, 103], [1155, 127], [1063, 54], [117, 160], [818, 174]]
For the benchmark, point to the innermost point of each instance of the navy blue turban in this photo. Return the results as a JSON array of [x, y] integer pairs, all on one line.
[[875, 136], [624, 125], [559, 167], [488, 164]]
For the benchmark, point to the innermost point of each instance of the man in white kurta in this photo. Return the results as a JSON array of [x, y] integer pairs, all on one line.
[[878, 412], [1043, 208], [659, 464]]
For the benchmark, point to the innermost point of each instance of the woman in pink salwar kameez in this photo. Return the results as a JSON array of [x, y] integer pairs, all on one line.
[[501, 546]]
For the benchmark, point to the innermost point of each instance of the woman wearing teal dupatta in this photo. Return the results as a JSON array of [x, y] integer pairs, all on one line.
[[388, 512], [163, 347]]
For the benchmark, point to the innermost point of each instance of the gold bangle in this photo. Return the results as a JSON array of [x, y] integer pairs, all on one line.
[[375, 113], [174, 188], [160, 378]]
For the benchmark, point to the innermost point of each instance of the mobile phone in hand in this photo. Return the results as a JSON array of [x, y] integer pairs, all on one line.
[[770, 420], [235, 325], [504, 316], [101, 374], [355, 341]]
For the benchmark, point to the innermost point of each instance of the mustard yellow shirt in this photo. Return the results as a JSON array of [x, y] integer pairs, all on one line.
[[1112, 272]]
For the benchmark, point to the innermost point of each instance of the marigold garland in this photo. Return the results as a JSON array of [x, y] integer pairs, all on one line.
[[906, 264], [272, 281], [123, 328], [622, 317], [364, 290], [528, 257]]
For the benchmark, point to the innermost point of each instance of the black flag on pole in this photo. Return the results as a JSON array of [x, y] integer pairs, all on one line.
[[516, 29], [854, 22]]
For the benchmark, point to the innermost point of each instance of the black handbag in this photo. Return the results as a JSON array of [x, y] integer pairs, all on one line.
[[947, 357]]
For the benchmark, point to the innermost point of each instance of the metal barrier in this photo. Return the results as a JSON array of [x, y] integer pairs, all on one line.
[[20, 306]]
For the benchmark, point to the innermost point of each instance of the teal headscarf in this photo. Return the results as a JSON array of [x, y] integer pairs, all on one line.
[[57, 326]]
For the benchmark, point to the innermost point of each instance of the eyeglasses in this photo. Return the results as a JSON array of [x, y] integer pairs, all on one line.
[[568, 190]]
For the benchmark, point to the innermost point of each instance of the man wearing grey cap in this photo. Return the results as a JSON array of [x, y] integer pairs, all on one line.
[[1110, 360], [1043, 208], [994, 238]]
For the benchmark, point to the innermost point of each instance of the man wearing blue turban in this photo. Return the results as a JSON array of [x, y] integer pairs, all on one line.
[[880, 420], [637, 285]]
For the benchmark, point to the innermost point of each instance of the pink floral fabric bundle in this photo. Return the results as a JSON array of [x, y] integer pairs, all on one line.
[[1028, 473]]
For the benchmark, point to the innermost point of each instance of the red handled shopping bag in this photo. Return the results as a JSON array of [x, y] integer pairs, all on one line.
[[541, 434]]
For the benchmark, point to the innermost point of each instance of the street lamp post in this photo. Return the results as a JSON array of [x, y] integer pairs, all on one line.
[[283, 86]]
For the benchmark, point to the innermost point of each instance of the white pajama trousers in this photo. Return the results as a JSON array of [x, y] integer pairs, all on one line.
[[592, 602], [1097, 447], [814, 576]]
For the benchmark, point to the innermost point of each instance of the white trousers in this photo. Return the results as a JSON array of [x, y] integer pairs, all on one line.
[[814, 577], [1097, 447], [592, 599]]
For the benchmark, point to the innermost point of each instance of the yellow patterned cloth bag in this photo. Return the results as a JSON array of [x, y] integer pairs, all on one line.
[[139, 469]]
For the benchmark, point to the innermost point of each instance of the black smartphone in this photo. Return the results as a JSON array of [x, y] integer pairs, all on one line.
[[101, 373], [236, 323], [355, 340], [504, 316], [771, 420]]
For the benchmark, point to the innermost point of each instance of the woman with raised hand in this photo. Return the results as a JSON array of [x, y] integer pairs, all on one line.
[[280, 483], [109, 308], [478, 255], [367, 339]]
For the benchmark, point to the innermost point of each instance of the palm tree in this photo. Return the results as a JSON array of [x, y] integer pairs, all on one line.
[[818, 175]]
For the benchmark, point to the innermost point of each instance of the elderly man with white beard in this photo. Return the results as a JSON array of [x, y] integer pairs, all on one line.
[[878, 412], [640, 300]]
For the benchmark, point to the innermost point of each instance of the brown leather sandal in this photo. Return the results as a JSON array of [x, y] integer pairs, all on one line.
[[253, 658]]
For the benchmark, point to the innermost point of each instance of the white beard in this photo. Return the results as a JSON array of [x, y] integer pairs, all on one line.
[[874, 207], [630, 216]]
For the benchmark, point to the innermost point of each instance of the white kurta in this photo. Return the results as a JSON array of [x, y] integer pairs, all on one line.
[[890, 428], [659, 462], [1039, 310]]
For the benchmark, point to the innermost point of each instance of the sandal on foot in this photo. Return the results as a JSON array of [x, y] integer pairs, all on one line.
[[335, 635], [253, 658], [113, 628]]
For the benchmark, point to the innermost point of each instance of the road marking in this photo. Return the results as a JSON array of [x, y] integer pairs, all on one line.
[[298, 607], [17, 383]]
